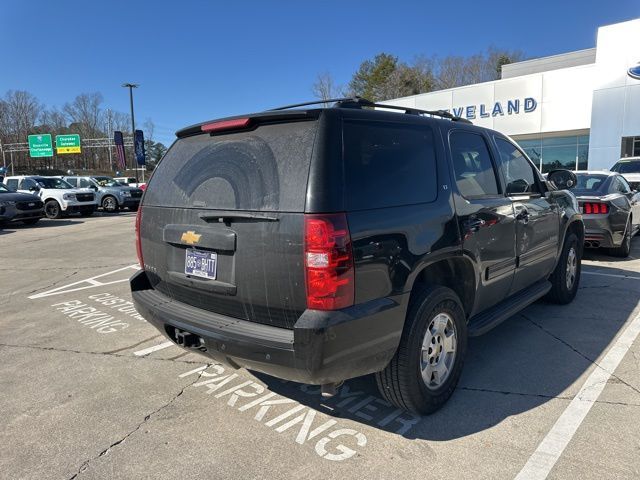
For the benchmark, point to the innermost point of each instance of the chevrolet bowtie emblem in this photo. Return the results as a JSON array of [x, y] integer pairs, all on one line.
[[190, 237]]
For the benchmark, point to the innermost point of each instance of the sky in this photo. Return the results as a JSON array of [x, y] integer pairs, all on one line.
[[197, 60]]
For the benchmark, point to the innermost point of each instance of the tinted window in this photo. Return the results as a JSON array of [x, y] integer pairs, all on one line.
[[27, 183], [590, 182], [73, 181], [265, 169], [85, 183], [472, 164], [628, 166], [517, 170], [620, 186], [388, 164], [12, 184]]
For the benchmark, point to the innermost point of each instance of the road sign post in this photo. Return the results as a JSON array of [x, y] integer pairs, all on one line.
[[68, 144], [40, 146]]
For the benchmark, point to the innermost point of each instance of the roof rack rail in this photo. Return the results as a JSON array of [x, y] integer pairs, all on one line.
[[359, 102], [317, 102]]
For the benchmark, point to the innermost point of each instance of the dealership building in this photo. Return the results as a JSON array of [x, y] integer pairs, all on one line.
[[575, 110]]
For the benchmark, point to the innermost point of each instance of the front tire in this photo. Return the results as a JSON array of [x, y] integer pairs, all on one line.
[[566, 276], [109, 204], [52, 209], [426, 368]]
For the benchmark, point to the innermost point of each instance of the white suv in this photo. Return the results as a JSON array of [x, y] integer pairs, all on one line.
[[58, 196]]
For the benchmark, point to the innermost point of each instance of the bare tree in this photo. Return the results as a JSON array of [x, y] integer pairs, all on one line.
[[325, 88], [22, 113], [148, 126], [85, 113]]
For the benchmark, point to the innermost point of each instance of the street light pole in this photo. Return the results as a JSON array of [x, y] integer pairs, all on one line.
[[131, 86]]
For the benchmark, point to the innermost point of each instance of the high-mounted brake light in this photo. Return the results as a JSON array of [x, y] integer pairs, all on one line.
[[328, 261], [238, 123], [594, 207], [138, 241]]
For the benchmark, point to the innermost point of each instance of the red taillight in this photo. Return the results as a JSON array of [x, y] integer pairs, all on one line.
[[236, 124], [138, 243], [328, 262], [594, 207]]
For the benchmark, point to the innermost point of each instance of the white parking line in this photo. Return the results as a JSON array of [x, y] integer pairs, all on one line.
[[615, 275], [548, 452], [155, 348], [87, 283]]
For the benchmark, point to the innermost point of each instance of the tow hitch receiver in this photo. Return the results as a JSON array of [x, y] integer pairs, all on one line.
[[187, 340]]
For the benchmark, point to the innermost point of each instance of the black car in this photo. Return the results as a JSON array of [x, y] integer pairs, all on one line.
[[19, 207], [610, 210], [322, 244]]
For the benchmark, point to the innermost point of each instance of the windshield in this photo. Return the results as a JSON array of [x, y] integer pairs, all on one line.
[[3, 188], [590, 182], [57, 183], [627, 167], [106, 182]]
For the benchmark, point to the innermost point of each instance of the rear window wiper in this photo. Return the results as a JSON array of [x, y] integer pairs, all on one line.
[[229, 216]]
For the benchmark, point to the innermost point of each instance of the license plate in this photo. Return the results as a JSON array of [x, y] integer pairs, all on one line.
[[200, 264]]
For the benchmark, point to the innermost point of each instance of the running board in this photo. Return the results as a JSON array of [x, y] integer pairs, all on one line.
[[485, 321]]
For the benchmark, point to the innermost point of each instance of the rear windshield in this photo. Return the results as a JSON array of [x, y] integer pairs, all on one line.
[[627, 167], [590, 182], [388, 164], [261, 170]]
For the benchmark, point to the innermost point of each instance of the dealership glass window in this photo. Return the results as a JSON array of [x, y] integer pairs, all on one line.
[[630, 147], [570, 152]]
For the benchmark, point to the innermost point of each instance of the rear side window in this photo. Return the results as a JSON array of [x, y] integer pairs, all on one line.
[[265, 169], [388, 165], [472, 164]]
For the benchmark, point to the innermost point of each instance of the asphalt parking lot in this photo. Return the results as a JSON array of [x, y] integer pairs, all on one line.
[[90, 390]]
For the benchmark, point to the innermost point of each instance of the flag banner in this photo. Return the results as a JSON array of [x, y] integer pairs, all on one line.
[[119, 141], [139, 144]]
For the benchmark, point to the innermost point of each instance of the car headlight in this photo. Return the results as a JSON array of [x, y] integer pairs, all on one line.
[[69, 196], [7, 203]]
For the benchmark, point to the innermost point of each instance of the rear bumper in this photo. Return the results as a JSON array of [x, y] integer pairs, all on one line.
[[597, 232], [323, 347]]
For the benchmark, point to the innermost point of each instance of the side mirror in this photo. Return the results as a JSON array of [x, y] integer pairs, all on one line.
[[94, 188], [562, 179], [34, 189]]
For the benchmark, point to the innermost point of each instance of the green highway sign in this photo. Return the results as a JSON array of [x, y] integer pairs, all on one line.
[[40, 145], [68, 143]]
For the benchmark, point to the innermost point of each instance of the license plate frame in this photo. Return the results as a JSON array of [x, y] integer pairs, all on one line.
[[200, 264]]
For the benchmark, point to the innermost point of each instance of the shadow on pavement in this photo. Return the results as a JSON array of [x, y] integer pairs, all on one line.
[[532, 358]]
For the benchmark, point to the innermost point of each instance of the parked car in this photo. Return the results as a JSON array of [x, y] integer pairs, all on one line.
[[322, 244], [58, 196], [629, 168], [610, 209], [110, 195], [130, 181], [19, 207]]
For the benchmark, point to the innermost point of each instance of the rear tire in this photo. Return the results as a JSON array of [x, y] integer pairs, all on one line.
[[566, 276], [52, 209], [426, 368], [624, 249]]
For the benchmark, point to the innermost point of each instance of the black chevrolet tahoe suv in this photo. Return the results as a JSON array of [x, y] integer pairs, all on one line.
[[322, 244]]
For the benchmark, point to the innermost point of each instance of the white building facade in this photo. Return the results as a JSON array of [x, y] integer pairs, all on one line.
[[577, 110]]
